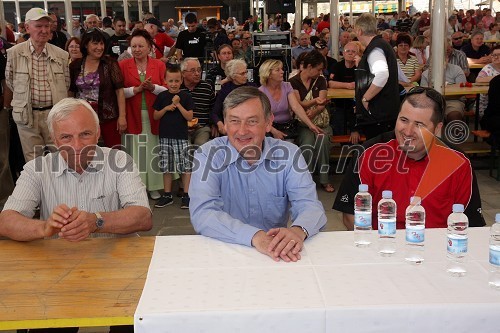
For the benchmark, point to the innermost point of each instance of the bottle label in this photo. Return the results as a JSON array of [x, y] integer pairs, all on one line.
[[387, 227], [363, 219], [457, 244], [495, 255], [415, 234]]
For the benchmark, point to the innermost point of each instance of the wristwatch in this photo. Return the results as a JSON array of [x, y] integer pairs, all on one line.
[[364, 100], [99, 222], [304, 230]]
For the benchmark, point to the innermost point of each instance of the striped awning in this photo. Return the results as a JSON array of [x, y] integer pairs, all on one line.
[[357, 7], [387, 7], [365, 7]]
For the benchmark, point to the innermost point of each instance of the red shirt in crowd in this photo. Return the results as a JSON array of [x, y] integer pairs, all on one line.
[[161, 41]]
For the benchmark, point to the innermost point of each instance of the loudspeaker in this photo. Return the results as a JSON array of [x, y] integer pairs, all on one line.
[[280, 6]]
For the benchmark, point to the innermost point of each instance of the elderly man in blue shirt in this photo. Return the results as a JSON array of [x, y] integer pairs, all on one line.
[[246, 187], [304, 46]]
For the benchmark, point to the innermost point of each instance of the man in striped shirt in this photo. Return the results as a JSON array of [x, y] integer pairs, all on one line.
[[203, 97], [82, 190]]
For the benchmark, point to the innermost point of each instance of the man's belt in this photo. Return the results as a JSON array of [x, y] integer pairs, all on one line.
[[41, 108]]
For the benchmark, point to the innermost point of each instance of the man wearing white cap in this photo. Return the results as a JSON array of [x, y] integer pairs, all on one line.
[[37, 74]]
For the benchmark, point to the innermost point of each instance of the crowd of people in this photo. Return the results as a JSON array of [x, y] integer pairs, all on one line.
[[245, 153], [153, 99]]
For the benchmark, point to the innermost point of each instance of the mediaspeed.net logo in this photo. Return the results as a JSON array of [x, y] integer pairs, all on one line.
[[443, 162]]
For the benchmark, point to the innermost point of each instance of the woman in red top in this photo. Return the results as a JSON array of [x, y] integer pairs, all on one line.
[[468, 18], [144, 78]]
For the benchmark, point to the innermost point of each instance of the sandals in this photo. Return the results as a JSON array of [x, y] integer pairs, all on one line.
[[328, 188]]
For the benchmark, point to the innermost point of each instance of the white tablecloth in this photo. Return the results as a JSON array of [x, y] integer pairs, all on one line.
[[197, 284]]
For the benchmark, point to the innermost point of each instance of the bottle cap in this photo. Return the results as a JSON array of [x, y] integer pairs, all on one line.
[[497, 217], [363, 188], [415, 200], [387, 194], [458, 208]]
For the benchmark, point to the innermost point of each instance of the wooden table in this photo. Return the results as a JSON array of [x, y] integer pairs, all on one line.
[[340, 93], [476, 89], [476, 66], [55, 283], [449, 90], [456, 90], [198, 284]]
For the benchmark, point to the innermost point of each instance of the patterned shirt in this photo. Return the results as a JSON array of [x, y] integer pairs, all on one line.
[[410, 67], [204, 99], [40, 88], [487, 70], [460, 59], [111, 182]]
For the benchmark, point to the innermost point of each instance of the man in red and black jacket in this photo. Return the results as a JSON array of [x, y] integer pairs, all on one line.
[[412, 161]]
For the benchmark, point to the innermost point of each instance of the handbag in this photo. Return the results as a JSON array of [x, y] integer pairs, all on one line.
[[321, 120], [290, 128]]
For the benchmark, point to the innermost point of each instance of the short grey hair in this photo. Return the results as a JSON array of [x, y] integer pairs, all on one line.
[[367, 23], [242, 94], [90, 16], [233, 65], [185, 61], [64, 108]]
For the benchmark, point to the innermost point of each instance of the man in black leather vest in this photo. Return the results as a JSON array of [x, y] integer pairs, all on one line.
[[376, 77]]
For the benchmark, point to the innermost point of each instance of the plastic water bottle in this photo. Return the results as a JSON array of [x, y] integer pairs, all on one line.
[[387, 224], [415, 231], [217, 83], [495, 254], [457, 241], [362, 217]]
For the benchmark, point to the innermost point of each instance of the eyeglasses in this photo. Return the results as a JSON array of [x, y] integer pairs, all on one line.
[[457, 38], [432, 94], [194, 70], [73, 46], [242, 73], [496, 55], [404, 45]]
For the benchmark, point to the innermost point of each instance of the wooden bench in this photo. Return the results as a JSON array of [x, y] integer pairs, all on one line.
[[470, 148], [337, 153], [345, 139]]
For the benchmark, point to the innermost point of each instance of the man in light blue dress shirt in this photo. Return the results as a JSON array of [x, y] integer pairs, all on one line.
[[245, 187], [304, 46]]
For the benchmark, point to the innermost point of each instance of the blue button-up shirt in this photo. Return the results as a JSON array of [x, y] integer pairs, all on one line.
[[231, 200]]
